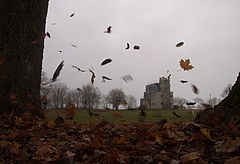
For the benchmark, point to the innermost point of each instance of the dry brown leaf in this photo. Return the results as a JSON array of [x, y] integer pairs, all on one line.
[[205, 132], [30, 106], [2, 60], [185, 64], [193, 158], [195, 89], [234, 160]]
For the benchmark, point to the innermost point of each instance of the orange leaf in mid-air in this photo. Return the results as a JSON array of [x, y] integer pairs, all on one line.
[[185, 65]]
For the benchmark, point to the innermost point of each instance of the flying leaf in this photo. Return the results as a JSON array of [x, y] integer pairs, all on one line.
[[136, 47], [72, 15], [109, 30], [57, 72], [13, 96], [73, 45], [169, 76], [105, 78], [195, 89], [48, 35], [226, 91], [78, 68], [183, 81], [128, 46], [191, 103], [180, 44], [175, 114], [93, 76], [127, 78], [106, 61], [185, 65]]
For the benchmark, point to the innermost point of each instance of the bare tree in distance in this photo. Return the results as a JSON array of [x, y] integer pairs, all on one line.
[[45, 91], [213, 101], [131, 102], [76, 97], [90, 96], [58, 95], [115, 97], [179, 101]]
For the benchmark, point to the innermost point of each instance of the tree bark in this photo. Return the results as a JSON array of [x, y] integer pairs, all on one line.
[[22, 29], [233, 98]]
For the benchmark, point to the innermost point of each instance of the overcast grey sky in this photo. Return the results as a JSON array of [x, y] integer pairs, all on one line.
[[210, 30]]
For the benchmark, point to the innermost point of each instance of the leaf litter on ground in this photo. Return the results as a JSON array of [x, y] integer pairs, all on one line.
[[30, 139]]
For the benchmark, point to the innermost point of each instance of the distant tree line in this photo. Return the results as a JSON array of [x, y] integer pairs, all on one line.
[[180, 103], [57, 96]]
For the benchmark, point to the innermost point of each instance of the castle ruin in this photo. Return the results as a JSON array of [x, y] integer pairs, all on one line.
[[158, 95]]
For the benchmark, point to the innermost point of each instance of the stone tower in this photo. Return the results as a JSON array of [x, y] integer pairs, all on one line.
[[158, 95]]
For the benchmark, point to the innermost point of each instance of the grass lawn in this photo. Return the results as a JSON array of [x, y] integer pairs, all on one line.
[[125, 115]]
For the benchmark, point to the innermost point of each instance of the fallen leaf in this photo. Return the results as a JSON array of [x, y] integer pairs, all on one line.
[[205, 132], [70, 154], [2, 60], [233, 160], [30, 106], [190, 157]]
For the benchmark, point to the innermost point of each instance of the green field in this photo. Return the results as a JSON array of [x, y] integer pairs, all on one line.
[[125, 115]]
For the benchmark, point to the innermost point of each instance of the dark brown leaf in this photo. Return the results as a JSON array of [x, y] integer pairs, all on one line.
[[136, 47], [105, 78], [195, 89], [180, 44], [106, 61], [128, 46], [72, 15], [183, 81], [93, 76], [57, 72], [109, 30], [175, 114], [48, 34], [191, 103], [78, 68]]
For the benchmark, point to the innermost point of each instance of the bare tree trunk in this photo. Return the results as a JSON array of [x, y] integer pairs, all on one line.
[[233, 98], [22, 25], [228, 109]]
